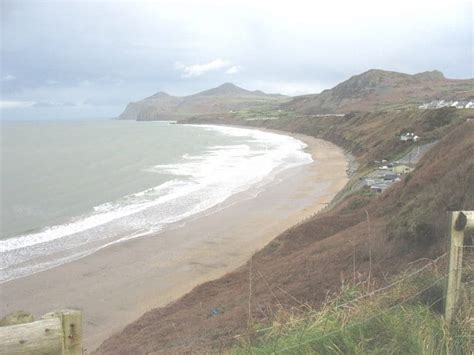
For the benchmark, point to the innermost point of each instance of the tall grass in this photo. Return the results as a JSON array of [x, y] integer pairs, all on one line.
[[407, 319]]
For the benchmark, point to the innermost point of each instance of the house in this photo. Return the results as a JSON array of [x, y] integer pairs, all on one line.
[[401, 169], [410, 136], [373, 181], [435, 104], [390, 177], [369, 182], [461, 104], [379, 188]]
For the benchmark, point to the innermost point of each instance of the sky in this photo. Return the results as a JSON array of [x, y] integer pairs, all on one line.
[[88, 59]]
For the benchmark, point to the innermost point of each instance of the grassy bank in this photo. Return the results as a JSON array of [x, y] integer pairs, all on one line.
[[403, 318]]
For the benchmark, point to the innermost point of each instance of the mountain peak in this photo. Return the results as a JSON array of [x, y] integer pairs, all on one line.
[[228, 86], [378, 89], [430, 75], [377, 79], [158, 95], [379, 73], [226, 89]]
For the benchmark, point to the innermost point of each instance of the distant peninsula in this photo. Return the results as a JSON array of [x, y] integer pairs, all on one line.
[[223, 99]]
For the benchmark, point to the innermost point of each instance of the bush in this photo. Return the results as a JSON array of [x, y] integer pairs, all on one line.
[[438, 118]]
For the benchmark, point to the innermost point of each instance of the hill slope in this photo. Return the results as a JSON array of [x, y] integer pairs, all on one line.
[[363, 234], [216, 101], [379, 89]]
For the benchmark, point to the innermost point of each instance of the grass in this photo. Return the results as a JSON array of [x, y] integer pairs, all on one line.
[[403, 320]]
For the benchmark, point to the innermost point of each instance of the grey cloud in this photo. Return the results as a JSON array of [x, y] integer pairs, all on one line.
[[108, 53]]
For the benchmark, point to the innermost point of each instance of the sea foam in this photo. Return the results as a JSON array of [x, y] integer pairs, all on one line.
[[197, 183]]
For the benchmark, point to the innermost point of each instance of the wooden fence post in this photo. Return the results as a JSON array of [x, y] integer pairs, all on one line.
[[459, 221], [456, 240], [71, 323], [72, 328], [55, 333]]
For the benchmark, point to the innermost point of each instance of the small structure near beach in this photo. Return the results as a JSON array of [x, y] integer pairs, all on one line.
[[401, 169], [390, 177], [379, 188], [436, 104], [410, 136]]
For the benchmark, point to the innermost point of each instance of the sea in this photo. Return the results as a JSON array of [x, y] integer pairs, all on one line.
[[71, 188]]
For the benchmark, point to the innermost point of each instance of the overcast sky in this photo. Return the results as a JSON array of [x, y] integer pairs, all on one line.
[[64, 59]]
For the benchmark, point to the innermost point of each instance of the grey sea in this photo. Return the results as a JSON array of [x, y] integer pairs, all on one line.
[[70, 188]]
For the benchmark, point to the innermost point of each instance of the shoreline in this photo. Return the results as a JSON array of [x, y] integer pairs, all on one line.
[[116, 285]]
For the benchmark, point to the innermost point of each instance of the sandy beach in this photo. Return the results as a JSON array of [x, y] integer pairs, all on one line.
[[116, 285]]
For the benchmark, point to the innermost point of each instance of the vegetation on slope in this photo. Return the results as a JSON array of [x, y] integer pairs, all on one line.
[[376, 90], [371, 91], [217, 101], [305, 263], [405, 319], [369, 136], [362, 237]]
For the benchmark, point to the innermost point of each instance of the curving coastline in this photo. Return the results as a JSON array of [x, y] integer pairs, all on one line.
[[155, 271]]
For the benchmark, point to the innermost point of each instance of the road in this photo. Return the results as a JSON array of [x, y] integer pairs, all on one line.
[[414, 156]]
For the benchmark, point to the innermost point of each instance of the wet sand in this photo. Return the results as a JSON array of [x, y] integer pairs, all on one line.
[[118, 284]]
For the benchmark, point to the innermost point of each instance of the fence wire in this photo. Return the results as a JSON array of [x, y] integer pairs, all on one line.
[[357, 299], [468, 273], [468, 264], [468, 267], [431, 265], [309, 341]]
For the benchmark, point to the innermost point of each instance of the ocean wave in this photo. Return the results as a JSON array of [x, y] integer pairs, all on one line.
[[198, 183], [105, 213]]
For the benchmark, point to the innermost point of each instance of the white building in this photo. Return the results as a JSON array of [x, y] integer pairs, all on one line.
[[405, 137], [435, 104]]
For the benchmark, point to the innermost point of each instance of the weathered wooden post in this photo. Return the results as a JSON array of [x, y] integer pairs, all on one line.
[[55, 333], [71, 323], [72, 328], [459, 221]]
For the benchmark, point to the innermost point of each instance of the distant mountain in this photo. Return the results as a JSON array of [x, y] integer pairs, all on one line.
[[217, 101], [380, 89], [159, 94], [229, 89]]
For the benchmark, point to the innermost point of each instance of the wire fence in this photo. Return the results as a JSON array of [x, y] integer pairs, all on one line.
[[412, 274], [298, 330], [342, 329], [468, 264], [251, 336], [468, 267], [429, 265], [221, 343]]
